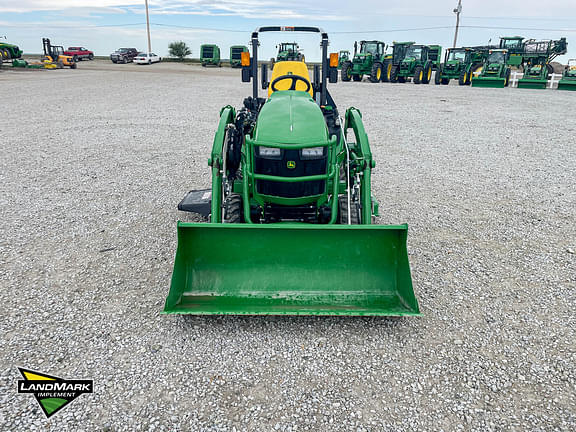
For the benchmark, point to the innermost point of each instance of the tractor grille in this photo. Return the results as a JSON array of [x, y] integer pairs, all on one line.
[[279, 167]]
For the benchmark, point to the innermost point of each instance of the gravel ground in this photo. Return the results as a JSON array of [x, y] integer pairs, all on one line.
[[93, 164]]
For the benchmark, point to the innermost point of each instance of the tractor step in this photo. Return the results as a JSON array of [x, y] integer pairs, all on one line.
[[197, 201], [291, 269]]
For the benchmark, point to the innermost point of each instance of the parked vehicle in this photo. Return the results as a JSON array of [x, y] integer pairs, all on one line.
[[123, 55], [210, 55], [235, 55], [147, 58], [418, 63], [54, 55], [9, 52], [369, 59], [79, 53]]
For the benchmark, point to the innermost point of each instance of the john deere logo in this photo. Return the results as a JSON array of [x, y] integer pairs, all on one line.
[[52, 393], [291, 164]]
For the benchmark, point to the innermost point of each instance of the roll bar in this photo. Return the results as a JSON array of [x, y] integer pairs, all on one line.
[[326, 73]]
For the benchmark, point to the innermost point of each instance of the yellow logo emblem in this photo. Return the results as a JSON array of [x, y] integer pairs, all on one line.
[[291, 164]]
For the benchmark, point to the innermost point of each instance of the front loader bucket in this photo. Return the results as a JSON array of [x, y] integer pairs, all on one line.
[[489, 82], [291, 270], [532, 83], [567, 85]]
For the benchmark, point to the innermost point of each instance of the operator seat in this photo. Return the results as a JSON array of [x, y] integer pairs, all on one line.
[[290, 68]]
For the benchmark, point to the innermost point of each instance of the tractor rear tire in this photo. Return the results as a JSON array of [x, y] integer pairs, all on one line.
[[233, 209], [418, 75], [355, 215], [376, 72], [346, 73], [357, 78], [394, 74], [463, 78]]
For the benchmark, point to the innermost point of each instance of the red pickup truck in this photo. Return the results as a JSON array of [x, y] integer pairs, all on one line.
[[79, 53]]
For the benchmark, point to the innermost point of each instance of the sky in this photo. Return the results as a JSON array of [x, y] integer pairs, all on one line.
[[104, 25]]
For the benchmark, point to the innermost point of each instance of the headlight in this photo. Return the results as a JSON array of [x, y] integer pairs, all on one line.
[[312, 152], [270, 152]]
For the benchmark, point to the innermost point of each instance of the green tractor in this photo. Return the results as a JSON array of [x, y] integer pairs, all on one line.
[[536, 59], [343, 56], [495, 71], [210, 55], [568, 81], [290, 209], [236, 55], [9, 52], [460, 64], [369, 60], [288, 51], [417, 63]]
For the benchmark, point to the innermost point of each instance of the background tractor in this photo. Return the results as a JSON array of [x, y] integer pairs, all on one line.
[[536, 58], [460, 64], [370, 60], [343, 56], [9, 52], [393, 62], [287, 51], [495, 71], [418, 63], [54, 55], [290, 208], [568, 81], [210, 55], [236, 55]]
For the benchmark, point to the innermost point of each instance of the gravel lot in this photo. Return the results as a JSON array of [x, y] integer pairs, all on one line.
[[93, 164]]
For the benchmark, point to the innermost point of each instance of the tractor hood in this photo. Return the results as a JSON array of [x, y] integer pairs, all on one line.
[[291, 117]]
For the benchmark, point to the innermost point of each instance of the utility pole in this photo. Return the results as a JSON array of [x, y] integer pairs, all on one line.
[[148, 27], [457, 11]]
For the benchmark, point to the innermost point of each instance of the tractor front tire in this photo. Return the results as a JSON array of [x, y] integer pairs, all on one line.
[[73, 66], [394, 74], [386, 71], [355, 215], [233, 209], [346, 72], [427, 74], [402, 79], [376, 72], [357, 78], [463, 79], [418, 75], [438, 76]]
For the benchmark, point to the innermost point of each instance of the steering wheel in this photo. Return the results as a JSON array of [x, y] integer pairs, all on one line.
[[294, 78]]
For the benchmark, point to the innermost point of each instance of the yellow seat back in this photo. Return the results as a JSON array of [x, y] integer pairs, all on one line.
[[290, 68]]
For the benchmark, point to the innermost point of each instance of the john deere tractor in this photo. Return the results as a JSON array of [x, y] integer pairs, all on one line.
[[460, 64], [568, 81], [210, 55], [417, 64], [290, 209], [9, 52], [369, 60], [495, 71], [536, 58], [343, 57]]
